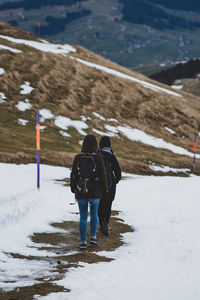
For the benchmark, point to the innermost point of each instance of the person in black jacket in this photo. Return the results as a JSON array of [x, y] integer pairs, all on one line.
[[113, 177], [88, 180]]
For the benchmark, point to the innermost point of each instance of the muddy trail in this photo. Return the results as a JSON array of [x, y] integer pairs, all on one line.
[[65, 246]]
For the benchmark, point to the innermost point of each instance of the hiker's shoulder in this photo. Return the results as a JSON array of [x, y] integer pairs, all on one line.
[[98, 156], [78, 156]]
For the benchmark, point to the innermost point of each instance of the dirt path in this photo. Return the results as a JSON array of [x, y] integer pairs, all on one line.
[[67, 255]]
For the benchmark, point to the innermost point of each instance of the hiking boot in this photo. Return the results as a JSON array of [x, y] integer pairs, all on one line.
[[83, 245], [93, 240], [105, 228]]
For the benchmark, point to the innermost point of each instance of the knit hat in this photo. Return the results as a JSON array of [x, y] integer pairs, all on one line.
[[104, 142]]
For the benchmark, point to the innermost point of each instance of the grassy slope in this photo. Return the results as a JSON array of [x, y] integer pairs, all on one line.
[[63, 85]]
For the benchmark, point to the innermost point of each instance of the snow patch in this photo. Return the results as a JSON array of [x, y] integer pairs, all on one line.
[[142, 137], [42, 128], [22, 122], [112, 120], [26, 88], [45, 114], [64, 123], [2, 71], [98, 116], [102, 133], [111, 128], [45, 47], [2, 47], [177, 87], [170, 130], [166, 169], [2, 98], [84, 118], [64, 133], [23, 105]]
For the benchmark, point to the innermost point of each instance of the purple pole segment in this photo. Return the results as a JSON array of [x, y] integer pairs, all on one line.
[[195, 146], [38, 147], [38, 169]]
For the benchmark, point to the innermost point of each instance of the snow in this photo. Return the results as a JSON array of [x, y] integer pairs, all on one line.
[[22, 122], [45, 47], [112, 120], [102, 133], [42, 128], [64, 122], [84, 118], [160, 260], [166, 169], [2, 98], [2, 47], [140, 136], [145, 84], [23, 105], [170, 130], [45, 114], [2, 71], [26, 88], [177, 87], [98, 116], [65, 134], [111, 128], [25, 210]]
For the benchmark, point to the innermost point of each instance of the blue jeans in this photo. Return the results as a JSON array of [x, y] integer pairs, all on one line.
[[83, 208]]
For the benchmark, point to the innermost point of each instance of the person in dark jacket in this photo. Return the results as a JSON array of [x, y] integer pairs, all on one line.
[[113, 177], [88, 180]]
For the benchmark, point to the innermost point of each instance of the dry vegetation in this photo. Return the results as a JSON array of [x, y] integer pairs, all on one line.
[[71, 89]]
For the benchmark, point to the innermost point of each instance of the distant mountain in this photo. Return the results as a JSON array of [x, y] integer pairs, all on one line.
[[153, 13], [144, 35]]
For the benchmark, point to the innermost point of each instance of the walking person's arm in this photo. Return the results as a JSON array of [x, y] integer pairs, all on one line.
[[103, 173], [116, 169], [73, 174]]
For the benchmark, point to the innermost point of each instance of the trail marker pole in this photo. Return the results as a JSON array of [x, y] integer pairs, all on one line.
[[38, 148], [195, 148]]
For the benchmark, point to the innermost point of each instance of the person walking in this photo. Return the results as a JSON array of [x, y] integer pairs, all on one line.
[[88, 180], [113, 177]]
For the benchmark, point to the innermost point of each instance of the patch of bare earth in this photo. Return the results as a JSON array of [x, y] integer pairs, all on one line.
[[62, 244]]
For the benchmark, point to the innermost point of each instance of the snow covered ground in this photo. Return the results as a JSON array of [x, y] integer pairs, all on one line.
[[42, 46], [2, 71], [160, 260], [26, 88]]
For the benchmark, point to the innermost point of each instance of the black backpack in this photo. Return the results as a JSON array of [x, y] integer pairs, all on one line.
[[109, 171], [86, 173]]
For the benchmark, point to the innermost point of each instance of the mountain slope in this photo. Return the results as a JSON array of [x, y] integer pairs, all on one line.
[[79, 92]]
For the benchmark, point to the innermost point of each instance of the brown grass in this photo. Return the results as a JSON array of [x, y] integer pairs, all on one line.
[[64, 86]]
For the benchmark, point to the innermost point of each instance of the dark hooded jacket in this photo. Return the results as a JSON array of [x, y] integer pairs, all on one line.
[[99, 187], [116, 170]]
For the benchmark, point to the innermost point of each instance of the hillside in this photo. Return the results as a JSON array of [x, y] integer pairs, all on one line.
[[78, 92], [143, 35]]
